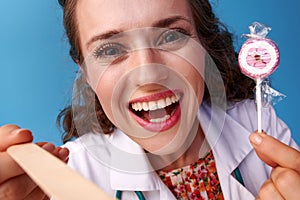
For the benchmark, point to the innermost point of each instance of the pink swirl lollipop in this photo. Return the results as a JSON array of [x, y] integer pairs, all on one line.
[[258, 57]]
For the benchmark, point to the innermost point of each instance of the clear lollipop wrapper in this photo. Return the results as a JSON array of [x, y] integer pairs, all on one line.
[[258, 58]]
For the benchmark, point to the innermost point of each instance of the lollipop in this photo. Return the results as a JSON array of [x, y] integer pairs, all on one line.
[[258, 58]]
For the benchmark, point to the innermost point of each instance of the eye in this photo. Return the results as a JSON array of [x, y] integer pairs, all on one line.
[[171, 36], [109, 51], [172, 39]]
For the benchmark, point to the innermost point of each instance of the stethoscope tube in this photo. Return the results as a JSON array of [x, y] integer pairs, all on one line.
[[138, 193]]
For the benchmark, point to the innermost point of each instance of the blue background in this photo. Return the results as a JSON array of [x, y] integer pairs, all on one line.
[[37, 73]]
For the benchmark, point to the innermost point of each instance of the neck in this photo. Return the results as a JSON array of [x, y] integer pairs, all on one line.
[[192, 154]]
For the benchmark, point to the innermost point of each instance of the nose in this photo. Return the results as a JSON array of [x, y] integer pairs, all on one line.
[[148, 67]]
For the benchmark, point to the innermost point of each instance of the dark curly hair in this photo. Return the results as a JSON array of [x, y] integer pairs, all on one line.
[[214, 37]]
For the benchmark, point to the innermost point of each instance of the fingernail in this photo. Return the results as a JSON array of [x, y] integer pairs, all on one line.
[[255, 138], [21, 131]]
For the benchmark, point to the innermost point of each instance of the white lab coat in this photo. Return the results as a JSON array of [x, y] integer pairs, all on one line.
[[126, 167]]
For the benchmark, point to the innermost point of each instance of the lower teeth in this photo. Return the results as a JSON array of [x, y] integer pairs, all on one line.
[[159, 120], [162, 119]]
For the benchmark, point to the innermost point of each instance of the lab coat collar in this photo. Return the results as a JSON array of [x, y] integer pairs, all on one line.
[[136, 173], [226, 136], [227, 149], [132, 170], [230, 148]]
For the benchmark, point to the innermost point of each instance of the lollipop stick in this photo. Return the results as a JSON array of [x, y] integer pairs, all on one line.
[[258, 104]]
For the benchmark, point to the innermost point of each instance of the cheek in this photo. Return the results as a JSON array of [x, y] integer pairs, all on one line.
[[193, 76], [199, 88], [196, 81], [104, 91], [104, 95]]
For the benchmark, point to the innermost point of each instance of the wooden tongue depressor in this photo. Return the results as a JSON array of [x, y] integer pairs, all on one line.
[[53, 176]]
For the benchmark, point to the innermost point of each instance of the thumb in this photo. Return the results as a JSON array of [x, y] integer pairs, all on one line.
[[275, 153], [12, 134]]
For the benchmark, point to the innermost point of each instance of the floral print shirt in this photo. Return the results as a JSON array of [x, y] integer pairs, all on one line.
[[198, 181]]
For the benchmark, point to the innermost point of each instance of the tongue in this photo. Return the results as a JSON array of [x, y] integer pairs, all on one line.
[[156, 114]]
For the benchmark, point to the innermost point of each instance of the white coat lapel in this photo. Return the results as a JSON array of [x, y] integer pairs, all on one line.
[[131, 169], [135, 178], [230, 147]]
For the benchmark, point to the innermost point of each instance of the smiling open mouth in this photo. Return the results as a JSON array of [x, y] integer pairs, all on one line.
[[157, 112]]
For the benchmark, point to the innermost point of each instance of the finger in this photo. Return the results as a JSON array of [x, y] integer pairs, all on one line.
[[12, 134], [8, 167], [59, 152], [37, 194], [274, 152], [287, 182], [47, 146], [17, 188], [62, 153], [9, 127], [269, 191]]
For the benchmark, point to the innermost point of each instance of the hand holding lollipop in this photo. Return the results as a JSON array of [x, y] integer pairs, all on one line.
[[258, 58]]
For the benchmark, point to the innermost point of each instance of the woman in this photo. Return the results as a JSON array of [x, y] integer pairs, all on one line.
[[151, 67]]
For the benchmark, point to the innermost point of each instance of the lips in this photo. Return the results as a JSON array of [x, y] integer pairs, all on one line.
[[157, 112]]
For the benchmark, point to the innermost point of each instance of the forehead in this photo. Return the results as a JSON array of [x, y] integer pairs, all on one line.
[[98, 16]]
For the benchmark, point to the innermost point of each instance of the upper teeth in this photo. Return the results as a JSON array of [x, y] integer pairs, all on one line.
[[154, 105]]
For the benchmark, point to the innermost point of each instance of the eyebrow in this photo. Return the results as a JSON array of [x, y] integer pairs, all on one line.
[[163, 23]]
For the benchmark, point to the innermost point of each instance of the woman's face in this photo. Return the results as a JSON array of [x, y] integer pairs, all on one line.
[[145, 64]]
